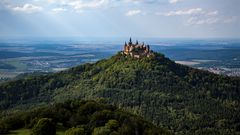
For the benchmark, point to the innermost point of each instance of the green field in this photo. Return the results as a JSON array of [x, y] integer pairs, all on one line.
[[17, 64], [6, 74]]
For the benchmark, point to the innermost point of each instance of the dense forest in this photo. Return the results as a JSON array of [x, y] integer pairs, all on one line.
[[182, 99], [79, 118]]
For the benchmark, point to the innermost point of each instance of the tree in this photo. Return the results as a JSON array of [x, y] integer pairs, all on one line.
[[75, 131], [45, 126], [101, 131], [108, 129], [112, 124]]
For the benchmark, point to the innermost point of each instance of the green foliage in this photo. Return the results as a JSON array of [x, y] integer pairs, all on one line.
[[45, 126], [112, 124], [179, 98], [110, 128], [86, 117], [101, 131], [75, 131]]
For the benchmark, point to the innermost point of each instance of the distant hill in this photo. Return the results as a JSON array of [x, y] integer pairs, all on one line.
[[182, 99]]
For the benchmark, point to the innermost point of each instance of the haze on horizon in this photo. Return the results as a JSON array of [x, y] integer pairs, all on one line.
[[120, 18]]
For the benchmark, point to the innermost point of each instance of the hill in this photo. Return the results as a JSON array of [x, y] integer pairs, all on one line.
[[182, 99]]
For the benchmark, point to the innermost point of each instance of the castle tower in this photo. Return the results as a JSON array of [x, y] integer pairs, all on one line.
[[130, 41]]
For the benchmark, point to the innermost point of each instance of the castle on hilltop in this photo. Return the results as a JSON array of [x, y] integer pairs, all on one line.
[[137, 50]]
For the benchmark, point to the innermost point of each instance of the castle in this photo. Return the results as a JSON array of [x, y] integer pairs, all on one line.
[[137, 50]]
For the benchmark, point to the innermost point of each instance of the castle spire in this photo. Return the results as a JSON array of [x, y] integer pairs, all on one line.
[[130, 41]]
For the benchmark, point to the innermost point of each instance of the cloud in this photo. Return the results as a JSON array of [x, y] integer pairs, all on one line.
[[28, 8], [80, 4], [200, 21], [190, 12], [185, 12], [213, 13], [174, 1], [58, 10], [133, 12], [198, 16], [132, 1], [61, 2]]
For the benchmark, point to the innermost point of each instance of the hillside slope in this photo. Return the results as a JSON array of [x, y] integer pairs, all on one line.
[[178, 97]]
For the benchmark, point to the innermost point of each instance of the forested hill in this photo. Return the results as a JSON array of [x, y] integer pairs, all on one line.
[[180, 98]]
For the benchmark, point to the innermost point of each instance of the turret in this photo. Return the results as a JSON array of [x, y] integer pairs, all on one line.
[[130, 41], [137, 42]]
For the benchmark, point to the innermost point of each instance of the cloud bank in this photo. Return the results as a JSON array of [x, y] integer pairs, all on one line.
[[28, 8], [133, 12]]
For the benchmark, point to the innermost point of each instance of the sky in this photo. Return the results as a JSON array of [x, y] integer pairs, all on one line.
[[120, 18]]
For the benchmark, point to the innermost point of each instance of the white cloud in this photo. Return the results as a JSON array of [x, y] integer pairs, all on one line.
[[133, 12], [190, 12], [209, 20], [62, 2], [173, 1], [212, 17], [198, 16], [92, 4], [79, 5], [132, 1], [28, 8], [201, 21], [213, 13], [51, 1], [57, 10], [185, 12]]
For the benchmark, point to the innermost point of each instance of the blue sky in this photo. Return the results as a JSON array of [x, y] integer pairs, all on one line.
[[120, 18]]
